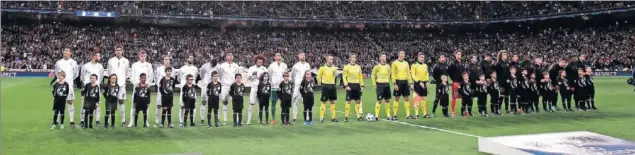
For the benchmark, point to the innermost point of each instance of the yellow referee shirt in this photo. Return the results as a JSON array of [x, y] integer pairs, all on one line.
[[400, 70], [327, 74], [420, 72], [380, 74], [352, 73]]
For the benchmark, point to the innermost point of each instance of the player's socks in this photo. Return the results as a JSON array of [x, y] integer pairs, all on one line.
[[71, 112], [444, 109], [61, 119], [81, 113], [135, 117], [357, 110], [332, 111], [145, 118], [295, 109], [181, 116], [453, 104], [416, 102], [122, 110], [249, 113], [273, 107], [322, 110], [107, 119], [169, 116], [209, 118], [224, 111], [388, 110], [424, 106], [347, 109], [163, 115], [202, 113], [407, 106], [266, 114], [377, 108], [97, 114], [395, 107], [55, 117], [434, 106], [131, 114], [158, 115], [90, 120]]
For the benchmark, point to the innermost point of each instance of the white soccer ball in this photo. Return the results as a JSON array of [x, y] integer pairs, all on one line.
[[370, 117]]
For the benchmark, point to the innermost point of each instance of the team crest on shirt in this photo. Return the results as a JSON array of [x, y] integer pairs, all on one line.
[[309, 87], [266, 89], [114, 91], [143, 92], [169, 86], [216, 90], [94, 92], [287, 89], [191, 93], [240, 90], [61, 90]]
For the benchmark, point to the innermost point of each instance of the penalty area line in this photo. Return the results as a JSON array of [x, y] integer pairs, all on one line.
[[431, 128]]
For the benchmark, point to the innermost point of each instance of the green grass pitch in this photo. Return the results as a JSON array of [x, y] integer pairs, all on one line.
[[26, 118]]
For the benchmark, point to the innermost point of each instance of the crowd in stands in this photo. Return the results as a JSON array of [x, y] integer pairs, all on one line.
[[36, 46], [423, 10]]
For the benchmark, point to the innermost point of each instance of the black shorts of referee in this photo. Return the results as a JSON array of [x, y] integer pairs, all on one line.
[[383, 91], [404, 88], [421, 91], [329, 92], [355, 93]]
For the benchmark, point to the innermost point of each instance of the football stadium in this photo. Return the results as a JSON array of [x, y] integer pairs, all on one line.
[[317, 77]]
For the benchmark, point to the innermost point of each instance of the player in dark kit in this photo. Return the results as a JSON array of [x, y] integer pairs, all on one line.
[[466, 95], [306, 89], [503, 74], [90, 95], [488, 66], [141, 100], [264, 92], [237, 91], [534, 94], [493, 89], [111, 90], [439, 69], [167, 97], [481, 95], [213, 98], [523, 91], [581, 92], [549, 93], [572, 75], [60, 92], [554, 74], [442, 96], [286, 90], [591, 88], [455, 72], [564, 86], [188, 96]]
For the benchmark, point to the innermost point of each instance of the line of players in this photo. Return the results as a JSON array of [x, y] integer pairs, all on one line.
[[521, 89]]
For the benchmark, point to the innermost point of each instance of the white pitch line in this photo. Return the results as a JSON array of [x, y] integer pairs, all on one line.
[[432, 128]]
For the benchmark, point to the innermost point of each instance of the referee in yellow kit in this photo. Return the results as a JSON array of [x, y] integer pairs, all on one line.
[[400, 70], [380, 78], [326, 77], [420, 78], [352, 77]]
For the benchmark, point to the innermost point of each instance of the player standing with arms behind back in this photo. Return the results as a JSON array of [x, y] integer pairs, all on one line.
[[380, 77], [254, 74], [297, 74], [354, 84], [420, 78], [400, 71], [137, 69], [455, 71], [276, 69], [70, 68], [119, 66], [187, 69], [326, 77], [88, 69]]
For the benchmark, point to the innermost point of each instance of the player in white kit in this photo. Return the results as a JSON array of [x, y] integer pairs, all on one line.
[[206, 75], [227, 72], [187, 69], [276, 69], [88, 69], [297, 73], [254, 73], [138, 68], [119, 66], [71, 69], [159, 74]]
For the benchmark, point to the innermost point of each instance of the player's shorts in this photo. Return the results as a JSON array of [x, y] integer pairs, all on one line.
[[421, 91], [122, 93], [224, 93], [71, 93], [383, 91], [141, 106], [89, 105], [59, 104], [253, 96], [111, 106], [297, 96], [355, 93], [204, 94], [455, 90], [329, 92], [404, 88], [190, 105]]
